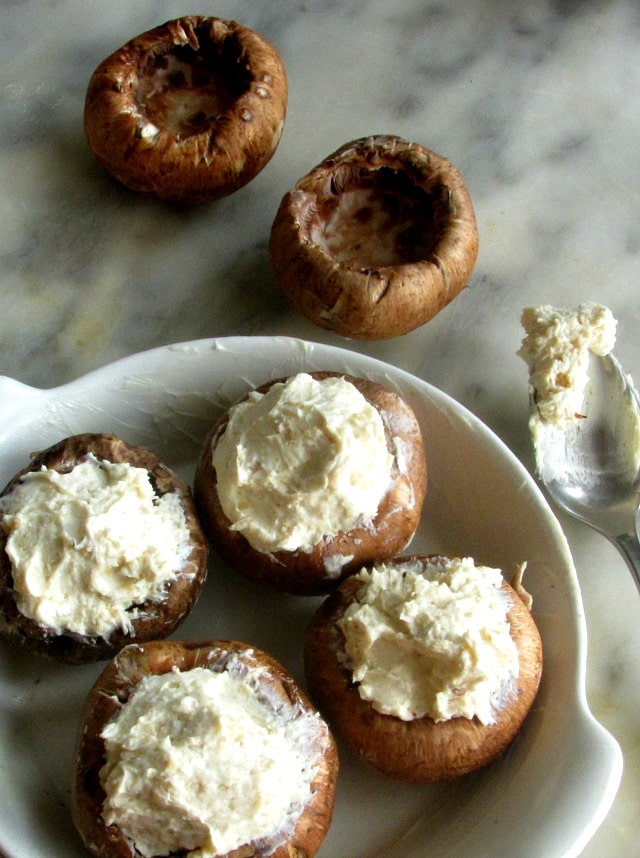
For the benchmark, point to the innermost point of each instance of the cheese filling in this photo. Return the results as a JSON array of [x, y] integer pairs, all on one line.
[[202, 761], [556, 349], [302, 462], [88, 546], [431, 639]]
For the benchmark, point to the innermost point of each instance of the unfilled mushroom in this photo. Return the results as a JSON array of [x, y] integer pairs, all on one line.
[[191, 110], [376, 239]]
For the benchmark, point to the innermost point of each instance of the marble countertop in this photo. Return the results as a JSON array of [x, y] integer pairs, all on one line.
[[535, 102]]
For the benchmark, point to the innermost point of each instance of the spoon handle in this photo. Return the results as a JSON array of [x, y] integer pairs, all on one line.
[[629, 547]]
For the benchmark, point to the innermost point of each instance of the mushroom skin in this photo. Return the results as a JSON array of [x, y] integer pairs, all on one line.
[[156, 619], [304, 573], [421, 750], [113, 688], [376, 239], [189, 111]]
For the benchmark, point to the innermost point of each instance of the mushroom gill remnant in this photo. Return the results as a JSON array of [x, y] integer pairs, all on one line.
[[184, 89], [375, 218]]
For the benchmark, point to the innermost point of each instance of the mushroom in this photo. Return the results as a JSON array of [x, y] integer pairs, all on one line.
[[153, 618], [376, 239], [420, 750], [314, 570], [191, 110], [267, 683]]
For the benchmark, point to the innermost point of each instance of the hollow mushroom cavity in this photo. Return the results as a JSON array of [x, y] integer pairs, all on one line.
[[376, 239], [191, 110]]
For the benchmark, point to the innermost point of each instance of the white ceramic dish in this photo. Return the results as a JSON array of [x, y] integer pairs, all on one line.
[[545, 797]]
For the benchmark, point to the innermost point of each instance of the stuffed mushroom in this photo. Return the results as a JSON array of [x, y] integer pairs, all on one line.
[[206, 749], [100, 546], [425, 666], [309, 477]]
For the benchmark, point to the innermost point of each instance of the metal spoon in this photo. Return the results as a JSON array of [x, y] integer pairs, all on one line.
[[592, 468]]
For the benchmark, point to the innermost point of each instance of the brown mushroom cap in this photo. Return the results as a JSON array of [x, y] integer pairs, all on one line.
[[305, 572], [191, 110], [114, 687], [376, 239], [156, 619], [421, 750]]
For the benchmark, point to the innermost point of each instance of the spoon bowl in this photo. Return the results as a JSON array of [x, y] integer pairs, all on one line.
[[591, 468]]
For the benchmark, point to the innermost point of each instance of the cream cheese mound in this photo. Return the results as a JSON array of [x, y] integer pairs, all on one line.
[[556, 349], [431, 638], [201, 761], [88, 545], [302, 462]]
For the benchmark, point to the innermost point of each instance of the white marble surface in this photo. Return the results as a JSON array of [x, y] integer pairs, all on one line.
[[536, 102]]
